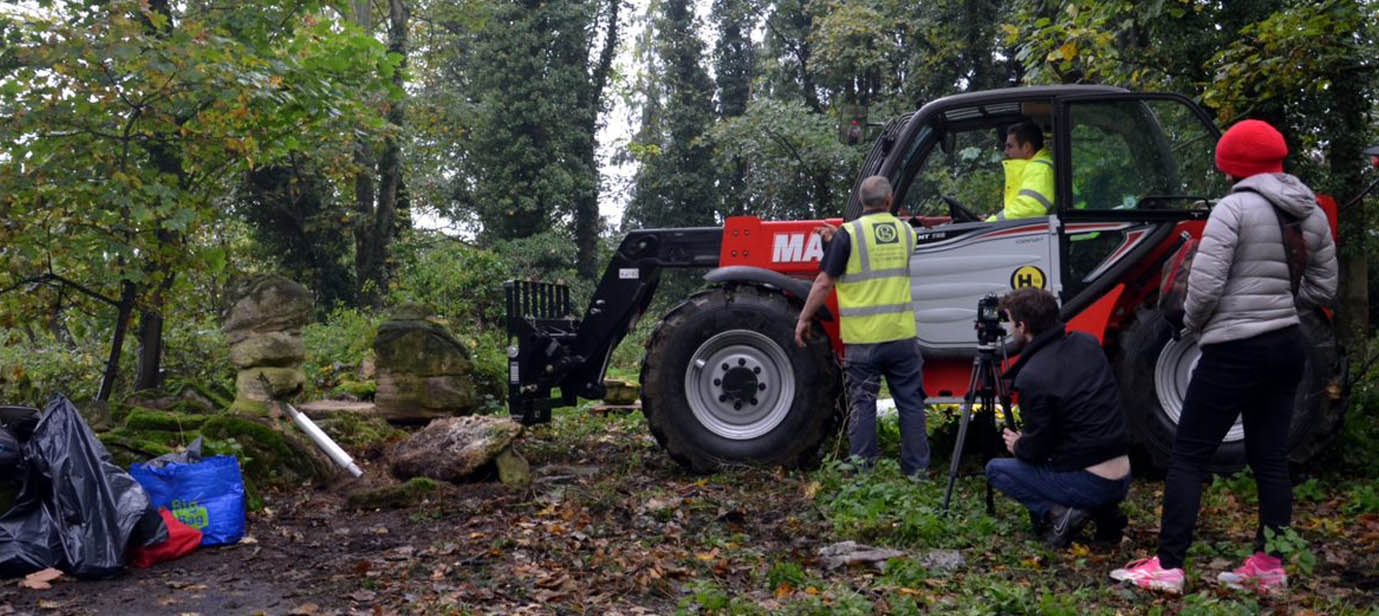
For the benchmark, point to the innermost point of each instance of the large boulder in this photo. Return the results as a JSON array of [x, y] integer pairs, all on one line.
[[453, 448], [422, 371]]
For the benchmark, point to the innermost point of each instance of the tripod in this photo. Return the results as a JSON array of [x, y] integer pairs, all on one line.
[[986, 387]]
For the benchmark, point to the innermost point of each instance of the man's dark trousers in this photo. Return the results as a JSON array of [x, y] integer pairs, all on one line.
[[900, 362], [1039, 487], [1255, 379]]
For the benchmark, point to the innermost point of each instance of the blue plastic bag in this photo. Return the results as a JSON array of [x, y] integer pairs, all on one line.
[[206, 495]]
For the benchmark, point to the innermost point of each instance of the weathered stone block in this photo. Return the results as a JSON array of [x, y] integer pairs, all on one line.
[[268, 349], [267, 383], [268, 304]]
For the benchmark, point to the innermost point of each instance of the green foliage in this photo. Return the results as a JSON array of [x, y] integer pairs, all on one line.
[[1360, 434], [1364, 499], [462, 282], [32, 373], [156, 117], [1292, 548], [675, 188], [795, 166], [882, 506], [526, 144], [337, 345], [786, 573]]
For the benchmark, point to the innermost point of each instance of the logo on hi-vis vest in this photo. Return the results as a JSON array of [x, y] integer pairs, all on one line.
[[1027, 276], [886, 233], [797, 248]]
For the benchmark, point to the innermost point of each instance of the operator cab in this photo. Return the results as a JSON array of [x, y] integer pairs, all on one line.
[[1127, 168]]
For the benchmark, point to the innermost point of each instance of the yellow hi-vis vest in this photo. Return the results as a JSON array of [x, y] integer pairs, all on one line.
[[874, 292], [1029, 187]]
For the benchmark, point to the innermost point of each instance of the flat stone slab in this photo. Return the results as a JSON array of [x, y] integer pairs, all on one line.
[[319, 409]]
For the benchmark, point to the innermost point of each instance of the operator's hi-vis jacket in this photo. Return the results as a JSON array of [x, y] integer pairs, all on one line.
[[874, 291], [1029, 187]]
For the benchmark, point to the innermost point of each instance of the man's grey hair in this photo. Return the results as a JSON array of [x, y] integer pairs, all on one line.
[[875, 192]]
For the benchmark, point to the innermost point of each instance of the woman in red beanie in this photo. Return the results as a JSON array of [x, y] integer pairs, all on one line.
[[1241, 303]]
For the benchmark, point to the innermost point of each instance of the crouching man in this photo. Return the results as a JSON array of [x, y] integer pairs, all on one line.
[[1070, 465]]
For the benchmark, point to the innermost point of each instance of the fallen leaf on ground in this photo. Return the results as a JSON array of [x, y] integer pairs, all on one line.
[[39, 580], [305, 609], [48, 605]]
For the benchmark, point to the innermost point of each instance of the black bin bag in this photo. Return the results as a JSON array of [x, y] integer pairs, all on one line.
[[77, 510]]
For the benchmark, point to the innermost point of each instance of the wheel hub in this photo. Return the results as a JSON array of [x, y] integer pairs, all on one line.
[[740, 384]]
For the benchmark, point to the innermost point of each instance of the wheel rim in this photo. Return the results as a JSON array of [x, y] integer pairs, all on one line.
[[1173, 372], [724, 372]]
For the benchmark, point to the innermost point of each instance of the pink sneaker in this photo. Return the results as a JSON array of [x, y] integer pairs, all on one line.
[[1148, 574], [1261, 573]]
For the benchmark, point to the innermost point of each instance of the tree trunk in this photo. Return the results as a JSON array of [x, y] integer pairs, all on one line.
[[378, 212], [149, 365], [112, 365], [149, 368]]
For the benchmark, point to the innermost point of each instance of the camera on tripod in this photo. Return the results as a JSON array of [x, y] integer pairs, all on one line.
[[989, 319], [987, 387]]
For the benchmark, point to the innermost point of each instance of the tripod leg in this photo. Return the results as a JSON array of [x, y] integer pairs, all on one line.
[[963, 420], [988, 425]]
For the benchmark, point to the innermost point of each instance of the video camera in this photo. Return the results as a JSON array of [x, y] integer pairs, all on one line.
[[989, 319]]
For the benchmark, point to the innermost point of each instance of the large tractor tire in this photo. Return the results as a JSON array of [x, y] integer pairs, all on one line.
[[1154, 371], [724, 384]]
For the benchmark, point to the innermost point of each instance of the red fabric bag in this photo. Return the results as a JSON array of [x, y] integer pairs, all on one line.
[[182, 540]]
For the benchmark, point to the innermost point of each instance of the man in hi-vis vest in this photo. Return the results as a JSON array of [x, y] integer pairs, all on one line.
[[869, 263], [1029, 174]]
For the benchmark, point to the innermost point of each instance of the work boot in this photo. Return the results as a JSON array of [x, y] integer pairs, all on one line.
[[1064, 525], [1110, 525]]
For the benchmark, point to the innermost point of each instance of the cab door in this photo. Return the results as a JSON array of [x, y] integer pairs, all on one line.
[[1130, 167]]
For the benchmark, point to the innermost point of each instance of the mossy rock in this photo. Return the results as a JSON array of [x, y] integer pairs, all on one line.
[[129, 447], [248, 408], [409, 494], [150, 419], [421, 348], [271, 452], [362, 390]]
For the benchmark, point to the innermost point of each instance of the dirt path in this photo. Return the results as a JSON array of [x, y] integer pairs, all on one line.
[[610, 526]]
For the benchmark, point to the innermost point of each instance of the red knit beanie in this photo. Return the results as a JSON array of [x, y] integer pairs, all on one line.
[[1250, 148]]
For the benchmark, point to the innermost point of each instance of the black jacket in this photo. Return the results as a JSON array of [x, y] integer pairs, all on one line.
[[1069, 403]]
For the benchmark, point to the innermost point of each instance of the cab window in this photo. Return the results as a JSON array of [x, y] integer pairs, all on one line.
[[1140, 154]]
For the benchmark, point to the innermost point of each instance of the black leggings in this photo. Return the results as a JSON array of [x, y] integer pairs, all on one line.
[[1255, 378]]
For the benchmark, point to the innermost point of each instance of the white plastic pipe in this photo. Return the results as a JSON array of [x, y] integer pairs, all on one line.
[[323, 441]]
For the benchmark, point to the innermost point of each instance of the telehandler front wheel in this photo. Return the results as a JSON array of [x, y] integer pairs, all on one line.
[[723, 382]]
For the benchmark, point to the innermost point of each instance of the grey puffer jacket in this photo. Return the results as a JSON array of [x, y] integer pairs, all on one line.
[[1239, 286]]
